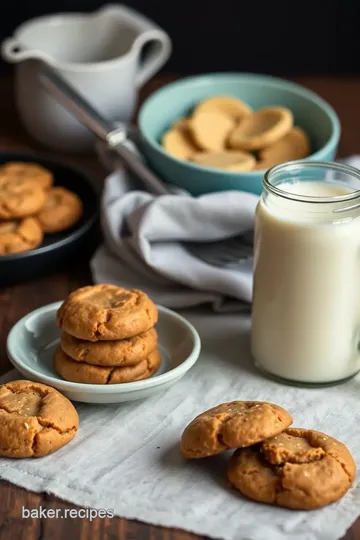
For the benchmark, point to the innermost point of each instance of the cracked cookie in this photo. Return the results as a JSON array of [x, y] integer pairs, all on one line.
[[125, 352], [19, 236], [81, 372], [19, 198], [28, 171], [62, 209], [35, 419], [299, 469], [106, 312], [232, 425]]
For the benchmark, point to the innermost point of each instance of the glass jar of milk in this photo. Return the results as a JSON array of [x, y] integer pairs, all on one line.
[[306, 301]]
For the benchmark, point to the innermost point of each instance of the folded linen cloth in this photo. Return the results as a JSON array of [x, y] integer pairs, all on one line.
[[145, 243]]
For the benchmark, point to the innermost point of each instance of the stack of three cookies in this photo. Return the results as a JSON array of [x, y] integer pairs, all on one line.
[[108, 336]]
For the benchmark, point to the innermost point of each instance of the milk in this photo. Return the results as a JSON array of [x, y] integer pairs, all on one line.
[[306, 302]]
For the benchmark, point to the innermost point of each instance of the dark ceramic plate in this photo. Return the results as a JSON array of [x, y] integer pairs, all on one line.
[[58, 248]]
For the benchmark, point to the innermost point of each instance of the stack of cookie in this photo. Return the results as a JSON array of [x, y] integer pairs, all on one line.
[[296, 468], [30, 206], [108, 336]]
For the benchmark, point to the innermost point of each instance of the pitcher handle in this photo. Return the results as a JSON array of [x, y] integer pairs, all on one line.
[[159, 50], [13, 52]]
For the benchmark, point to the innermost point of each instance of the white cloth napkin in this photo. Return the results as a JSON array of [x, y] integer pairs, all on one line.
[[144, 243], [145, 235], [126, 457]]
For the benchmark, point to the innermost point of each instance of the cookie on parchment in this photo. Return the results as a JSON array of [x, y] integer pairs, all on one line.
[[81, 372], [232, 425], [35, 419], [105, 313], [300, 469]]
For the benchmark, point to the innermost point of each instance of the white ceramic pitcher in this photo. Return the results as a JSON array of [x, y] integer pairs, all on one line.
[[106, 55]]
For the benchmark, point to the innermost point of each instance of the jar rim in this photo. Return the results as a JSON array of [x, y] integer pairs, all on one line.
[[307, 164]]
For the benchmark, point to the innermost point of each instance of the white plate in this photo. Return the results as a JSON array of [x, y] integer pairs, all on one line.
[[32, 341]]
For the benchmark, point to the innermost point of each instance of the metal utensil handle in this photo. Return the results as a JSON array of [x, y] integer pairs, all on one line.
[[75, 103], [65, 94], [135, 166]]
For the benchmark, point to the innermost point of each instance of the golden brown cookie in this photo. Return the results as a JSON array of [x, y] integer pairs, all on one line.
[[35, 419], [233, 107], [210, 129], [181, 123], [19, 198], [19, 236], [178, 142], [106, 312], [232, 425], [28, 171], [62, 210], [81, 372], [300, 468], [124, 352], [261, 128], [229, 160], [294, 145]]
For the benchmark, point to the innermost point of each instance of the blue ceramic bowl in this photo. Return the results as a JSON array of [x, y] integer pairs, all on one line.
[[176, 100]]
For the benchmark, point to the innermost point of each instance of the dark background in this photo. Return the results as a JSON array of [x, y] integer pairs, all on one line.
[[272, 36]]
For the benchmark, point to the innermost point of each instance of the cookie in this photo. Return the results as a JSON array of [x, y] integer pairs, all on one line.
[[35, 419], [81, 372], [210, 129], [261, 128], [300, 469], [106, 312], [182, 123], [19, 236], [124, 352], [232, 425], [178, 142], [232, 107], [19, 198], [28, 171], [229, 160], [62, 209], [294, 145]]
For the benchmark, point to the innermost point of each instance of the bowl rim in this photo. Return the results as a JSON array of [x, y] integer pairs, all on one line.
[[19, 361], [204, 79]]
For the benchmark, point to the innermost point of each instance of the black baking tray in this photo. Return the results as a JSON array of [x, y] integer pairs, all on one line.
[[59, 248]]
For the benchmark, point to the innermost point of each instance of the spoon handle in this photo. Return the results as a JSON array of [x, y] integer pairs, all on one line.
[[67, 96], [114, 136]]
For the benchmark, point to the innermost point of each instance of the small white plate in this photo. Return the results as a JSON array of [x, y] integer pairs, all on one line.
[[32, 341]]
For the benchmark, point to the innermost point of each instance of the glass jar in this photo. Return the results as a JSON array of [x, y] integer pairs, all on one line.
[[306, 298]]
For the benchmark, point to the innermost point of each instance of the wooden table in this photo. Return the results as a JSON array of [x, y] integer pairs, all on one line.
[[16, 301]]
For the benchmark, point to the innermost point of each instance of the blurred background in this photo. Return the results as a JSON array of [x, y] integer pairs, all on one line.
[[282, 37]]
